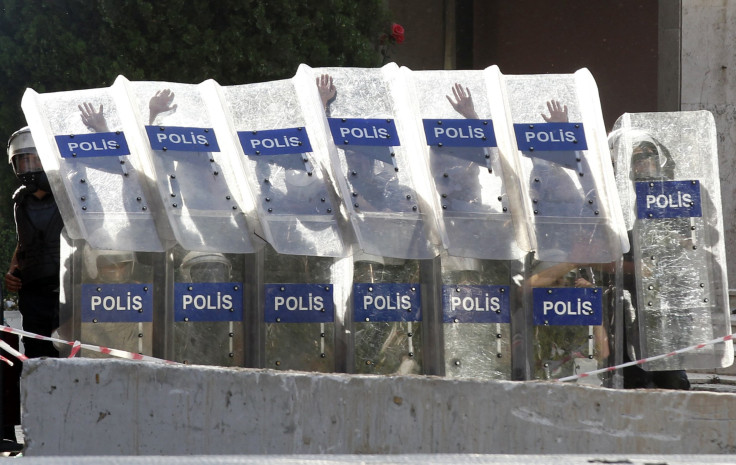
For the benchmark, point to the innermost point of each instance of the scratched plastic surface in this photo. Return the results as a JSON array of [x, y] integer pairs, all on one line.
[[559, 351], [388, 347], [387, 207], [568, 206], [469, 190], [299, 346], [219, 343], [297, 202], [476, 350], [133, 337], [679, 286], [193, 187], [101, 199]]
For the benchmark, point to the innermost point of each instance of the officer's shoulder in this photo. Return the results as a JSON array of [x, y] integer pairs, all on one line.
[[20, 194]]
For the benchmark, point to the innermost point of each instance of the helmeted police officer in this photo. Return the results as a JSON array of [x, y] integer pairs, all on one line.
[[34, 268], [650, 161]]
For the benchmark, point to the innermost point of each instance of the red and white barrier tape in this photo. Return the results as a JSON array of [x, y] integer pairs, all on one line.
[[8, 348], [649, 359], [76, 346]]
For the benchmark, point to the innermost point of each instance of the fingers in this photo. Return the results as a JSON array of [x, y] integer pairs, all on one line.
[[164, 94], [325, 82], [12, 283], [461, 93]]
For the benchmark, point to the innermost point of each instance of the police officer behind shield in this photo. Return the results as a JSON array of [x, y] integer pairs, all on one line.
[[649, 161], [34, 268]]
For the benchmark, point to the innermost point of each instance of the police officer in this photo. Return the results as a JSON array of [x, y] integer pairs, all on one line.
[[34, 268], [650, 161]]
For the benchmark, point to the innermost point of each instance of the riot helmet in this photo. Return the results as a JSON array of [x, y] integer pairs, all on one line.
[[650, 160], [205, 267], [23, 156], [109, 266]]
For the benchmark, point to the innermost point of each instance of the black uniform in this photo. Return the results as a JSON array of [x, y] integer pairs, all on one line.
[[38, 225]]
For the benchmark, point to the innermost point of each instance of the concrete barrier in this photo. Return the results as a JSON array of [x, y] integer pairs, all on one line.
[[114, 407]]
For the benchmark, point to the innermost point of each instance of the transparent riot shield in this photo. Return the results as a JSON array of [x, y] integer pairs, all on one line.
[[388, 328], [565, 168], [385, 191], [573, 326], [113, 299], [478, 297], [576, 226], [209, 308], [196, 188], [300, 312], [676, 290], [95, 174], [470, 195], [287, 172], [475, 220]]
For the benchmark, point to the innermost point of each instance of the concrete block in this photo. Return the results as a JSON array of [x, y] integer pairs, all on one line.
[[112, 407]]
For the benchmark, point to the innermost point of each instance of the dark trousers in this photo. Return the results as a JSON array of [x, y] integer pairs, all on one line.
[[40, 312]]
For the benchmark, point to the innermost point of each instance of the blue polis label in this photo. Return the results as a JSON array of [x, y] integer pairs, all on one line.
[[459, 132], [275, 141], [386, 302], [99, 144], [550, 137], [299, 303], [208, 301], [475, 304], [568, 306], [182, 139], [356, 131], [668, 199], [117, 303]]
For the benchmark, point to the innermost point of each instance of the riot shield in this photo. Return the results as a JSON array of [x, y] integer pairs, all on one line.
[[95, 174], [667, 175], [388, 328], [193, 179], [470, 193], [300, 312], [566, 174], [474, 209], [208, 308], [385, 191], [577, 231], [285, 167], [477, 300], [113, 299], [573, 326]]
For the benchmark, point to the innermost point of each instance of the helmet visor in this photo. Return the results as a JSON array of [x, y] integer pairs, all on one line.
[[210, 272], [115, 268], [24, 163]]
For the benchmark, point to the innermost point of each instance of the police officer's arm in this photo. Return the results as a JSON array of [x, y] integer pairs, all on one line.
[[160, 103], [463, 103], [94, 120], [551, 275], [327, 91], [12, 282]]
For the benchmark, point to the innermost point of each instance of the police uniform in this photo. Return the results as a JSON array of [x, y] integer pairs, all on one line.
[[38, 226]]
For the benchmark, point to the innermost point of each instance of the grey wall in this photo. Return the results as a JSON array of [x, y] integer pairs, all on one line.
[[708, 67], [111, 407]]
